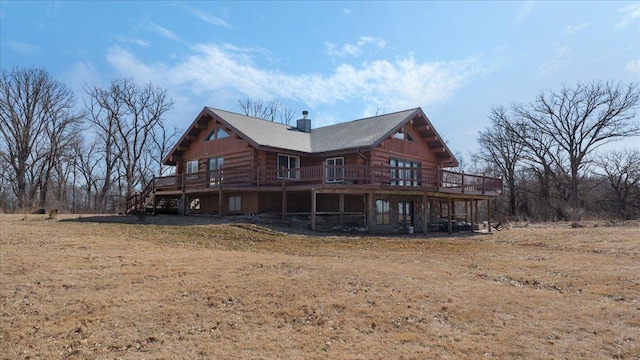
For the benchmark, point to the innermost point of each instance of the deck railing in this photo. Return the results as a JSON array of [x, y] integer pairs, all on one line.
[[431, 179]]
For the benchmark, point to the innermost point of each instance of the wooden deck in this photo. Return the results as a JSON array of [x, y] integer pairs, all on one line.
[[325, 176]]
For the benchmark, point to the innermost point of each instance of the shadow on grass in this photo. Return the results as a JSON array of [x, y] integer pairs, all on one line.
[[289, 227]]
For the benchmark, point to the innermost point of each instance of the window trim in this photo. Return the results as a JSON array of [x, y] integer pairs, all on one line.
[[289, 171], [189, 166], [334, 174]]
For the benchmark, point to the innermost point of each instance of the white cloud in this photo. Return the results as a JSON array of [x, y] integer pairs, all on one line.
[[128, 65], [211, 19], [135, 41], [572, 29], [631, 13], [219, 72], [634, 66], [524, 11], [346, 11], [162, 31], [23, 47], [354, 50], [81, 74], [559, 59]]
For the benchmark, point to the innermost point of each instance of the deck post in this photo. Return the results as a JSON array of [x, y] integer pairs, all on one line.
[[477, 218], [489, 213], [425, 214], [471, 213], [341, 205], [450, 215], [370, 212], [313, 209]]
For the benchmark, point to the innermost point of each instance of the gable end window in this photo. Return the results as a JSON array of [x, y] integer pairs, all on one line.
[[217, 133]]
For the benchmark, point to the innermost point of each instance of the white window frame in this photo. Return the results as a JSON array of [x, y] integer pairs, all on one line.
[[289, 172], [192, 167], [334, 174]]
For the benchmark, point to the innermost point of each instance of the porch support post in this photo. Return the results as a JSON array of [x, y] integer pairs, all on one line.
[[489, 213], [449, 216], [219, 200], [284, 204], [471, 213], [425, 214], [341, 201], [370, 212], [313, 209], [477, 218]]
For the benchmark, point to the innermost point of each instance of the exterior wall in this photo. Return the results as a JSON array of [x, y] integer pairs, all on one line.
[[394, 218]]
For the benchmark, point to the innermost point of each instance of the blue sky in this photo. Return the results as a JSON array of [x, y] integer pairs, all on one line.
[[338, 60]]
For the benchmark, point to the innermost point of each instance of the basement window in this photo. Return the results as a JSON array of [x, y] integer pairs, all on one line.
[[235, 204]]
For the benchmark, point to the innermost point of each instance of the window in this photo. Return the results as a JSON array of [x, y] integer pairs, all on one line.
[[289, 163], [214, 165], [235, 204], [403, 135], [382, 212], [218, 133], [404, 172], [335, 170], [192, 167]]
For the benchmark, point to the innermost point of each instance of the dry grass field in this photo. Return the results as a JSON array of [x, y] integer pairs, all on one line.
[[119, 288]]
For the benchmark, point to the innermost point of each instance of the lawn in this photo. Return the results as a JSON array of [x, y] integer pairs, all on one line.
[[175, 287]]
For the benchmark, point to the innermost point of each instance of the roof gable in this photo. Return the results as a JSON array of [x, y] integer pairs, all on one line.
[[357, 134]]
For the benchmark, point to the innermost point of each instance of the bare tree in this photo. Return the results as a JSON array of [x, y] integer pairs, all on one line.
[[127, 116], [270, 110], [37, 121], [502, 147], [621, 171], [576, 121]]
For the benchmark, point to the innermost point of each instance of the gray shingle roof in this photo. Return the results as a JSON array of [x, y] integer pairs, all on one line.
[[363, 133], [352, 134]]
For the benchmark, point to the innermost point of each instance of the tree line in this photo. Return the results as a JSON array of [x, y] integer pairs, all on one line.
[[87, 156], [91, 155], [550, 153]]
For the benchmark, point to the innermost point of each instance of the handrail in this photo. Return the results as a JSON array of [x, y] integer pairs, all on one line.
[[434, 179]]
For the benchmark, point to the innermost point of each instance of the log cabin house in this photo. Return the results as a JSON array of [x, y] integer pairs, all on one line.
[[386, 173]]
